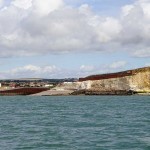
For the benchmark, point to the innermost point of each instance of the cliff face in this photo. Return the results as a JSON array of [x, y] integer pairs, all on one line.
[[138, 81]]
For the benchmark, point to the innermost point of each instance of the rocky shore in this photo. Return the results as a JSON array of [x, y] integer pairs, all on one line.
[[88, 92], [128, 82]]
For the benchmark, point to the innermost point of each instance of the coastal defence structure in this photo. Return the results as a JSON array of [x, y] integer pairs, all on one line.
[[22, 91], [115, 75]]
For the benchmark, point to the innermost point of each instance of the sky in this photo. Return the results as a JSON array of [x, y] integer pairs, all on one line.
[[72, 38]]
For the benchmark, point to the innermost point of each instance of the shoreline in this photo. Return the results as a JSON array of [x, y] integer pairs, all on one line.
[[55, 92], [67, 92]]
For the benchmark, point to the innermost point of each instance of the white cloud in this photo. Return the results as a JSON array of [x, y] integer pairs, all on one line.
[[126, 10], [118, 64], [45, 7], [63, 30], [108, 30], [1, 3], [31, 71], [136, 26], [52, 71], [31, 27], [86, 68], [24, 4], [142, 53]]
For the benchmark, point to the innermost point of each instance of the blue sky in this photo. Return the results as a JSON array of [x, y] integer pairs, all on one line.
[[72, 38], [104, 7]]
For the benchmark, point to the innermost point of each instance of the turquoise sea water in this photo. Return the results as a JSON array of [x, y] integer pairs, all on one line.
[[75, 123]]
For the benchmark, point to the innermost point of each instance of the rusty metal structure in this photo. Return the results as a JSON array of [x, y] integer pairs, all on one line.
[[22, 91], [114, 75]]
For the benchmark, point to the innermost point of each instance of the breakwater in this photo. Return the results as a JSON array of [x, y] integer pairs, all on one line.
[[22, 91]]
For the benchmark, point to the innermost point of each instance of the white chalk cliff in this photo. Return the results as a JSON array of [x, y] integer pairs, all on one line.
[[139, 82]]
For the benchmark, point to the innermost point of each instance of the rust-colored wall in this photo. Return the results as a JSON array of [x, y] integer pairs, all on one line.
[[114, 75], [23, 91]]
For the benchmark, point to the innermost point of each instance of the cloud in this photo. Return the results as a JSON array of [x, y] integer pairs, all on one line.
[[135, 32], [117, 64], [44, 8], [32, 71], [142, 53], [34, 27], [85, 68], [1, 3], [52, 71], [23, 4]]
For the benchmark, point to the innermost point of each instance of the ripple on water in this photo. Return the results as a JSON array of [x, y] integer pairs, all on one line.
[[75, 122]]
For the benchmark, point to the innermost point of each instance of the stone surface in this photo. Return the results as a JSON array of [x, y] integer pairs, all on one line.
[[138, 82]]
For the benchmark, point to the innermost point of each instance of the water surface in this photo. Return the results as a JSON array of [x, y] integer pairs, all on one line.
[[75, 123]]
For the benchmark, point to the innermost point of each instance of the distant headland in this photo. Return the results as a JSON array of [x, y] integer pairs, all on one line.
[[130, 82]]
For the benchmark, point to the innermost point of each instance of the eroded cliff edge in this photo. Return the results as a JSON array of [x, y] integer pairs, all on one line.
[[120, 83]]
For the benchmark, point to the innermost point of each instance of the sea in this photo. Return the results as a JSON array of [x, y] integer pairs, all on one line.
[[75, 123]]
